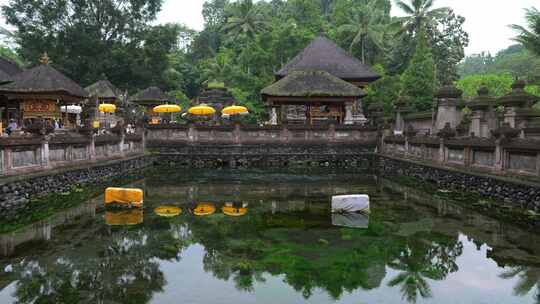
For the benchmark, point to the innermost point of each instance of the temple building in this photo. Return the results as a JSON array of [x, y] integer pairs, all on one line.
[[8, 109], [39, 93], [322, 84], [216, 95], [150, 98], [100, 92]]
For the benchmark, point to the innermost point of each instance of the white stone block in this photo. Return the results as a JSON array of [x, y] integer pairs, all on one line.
[[350, 203]]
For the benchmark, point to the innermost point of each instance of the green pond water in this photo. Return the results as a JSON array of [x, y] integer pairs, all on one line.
[[287, 248]]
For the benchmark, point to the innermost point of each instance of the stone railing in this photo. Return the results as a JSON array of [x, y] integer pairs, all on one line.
[[157, 135], [514, 156], [32, 154]]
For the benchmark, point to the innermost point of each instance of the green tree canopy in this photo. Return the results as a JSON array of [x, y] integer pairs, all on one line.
[[419, 78], [530, 38]]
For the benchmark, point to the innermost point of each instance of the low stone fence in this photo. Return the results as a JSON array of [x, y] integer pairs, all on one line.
[[242, 134], [508, 156], [523, 194], [31, 154], [16, 191], [267, 146]]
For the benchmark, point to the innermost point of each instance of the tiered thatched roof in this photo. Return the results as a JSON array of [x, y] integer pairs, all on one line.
[[8, 69], [324, 55], [151, 95], [312, 84], [104, 90], [216, 93], [43, 81]]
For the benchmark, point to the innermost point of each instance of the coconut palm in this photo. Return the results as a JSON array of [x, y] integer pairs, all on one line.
[[530, 38], [367, 26], [420, 14], [528, 279], [245, 18]]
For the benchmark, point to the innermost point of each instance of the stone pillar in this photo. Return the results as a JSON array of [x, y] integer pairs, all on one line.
[[349, 119], [475, 123], [122, 142], [332, 132], [45, 162], [400, 122], [92, 148], [448, 99], [237, 133], [510, 116], [273, 116], [498, 155], [442, 152], [284, 134], [192, 133]]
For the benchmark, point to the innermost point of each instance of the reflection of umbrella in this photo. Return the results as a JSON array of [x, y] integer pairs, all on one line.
[[107, 108], [204, 209], [124, 218], [201, 110], [168, 211], [167, 108], [232, 211], [235, 110]]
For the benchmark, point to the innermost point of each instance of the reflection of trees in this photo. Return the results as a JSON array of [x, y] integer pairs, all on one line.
[[528, 279], [424, 259], [118, 267]]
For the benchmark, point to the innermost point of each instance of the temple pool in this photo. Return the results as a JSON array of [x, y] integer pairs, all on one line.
[[270, 238]]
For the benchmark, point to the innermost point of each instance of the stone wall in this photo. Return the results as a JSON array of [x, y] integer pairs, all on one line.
[[516, 157], [33, 154], [526, 195], [264, 155], [15, 193]]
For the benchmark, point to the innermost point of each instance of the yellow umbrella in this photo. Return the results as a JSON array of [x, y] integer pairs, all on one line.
[[167, 108], [232, 211], [124, 218], [107, 108], [204, 209], [168, 211], [201, 110], [235, 110]]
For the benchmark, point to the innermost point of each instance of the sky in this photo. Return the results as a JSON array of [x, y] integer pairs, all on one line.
[[486, 20]]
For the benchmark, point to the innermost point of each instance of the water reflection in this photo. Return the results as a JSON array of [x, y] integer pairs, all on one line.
[[351, 220], [124, 217], [204, 209], [407, 250]]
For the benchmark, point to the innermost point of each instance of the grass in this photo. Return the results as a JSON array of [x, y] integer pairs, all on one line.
[[42, 207]]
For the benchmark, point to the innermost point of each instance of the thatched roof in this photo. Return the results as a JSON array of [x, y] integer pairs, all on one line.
[[103, 89], [324, 55], [312, 84], [43, 80], [8, 69], [151, 95]]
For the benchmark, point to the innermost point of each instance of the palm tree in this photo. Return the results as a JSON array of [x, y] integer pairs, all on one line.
[[415, 269], [529, 278], [529, 38], [245, 18], [367, 26], [420, 14]]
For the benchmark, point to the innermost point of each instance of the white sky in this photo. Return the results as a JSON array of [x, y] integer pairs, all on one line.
[[487, 20]]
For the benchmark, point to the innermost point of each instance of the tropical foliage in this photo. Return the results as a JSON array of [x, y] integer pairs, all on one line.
[[530, 38], [242, 44]]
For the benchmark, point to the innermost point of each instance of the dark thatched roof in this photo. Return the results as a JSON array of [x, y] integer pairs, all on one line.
[[324, 55], [8, 69], [103, 89], [43, 79], [312, 83], [151, 95]]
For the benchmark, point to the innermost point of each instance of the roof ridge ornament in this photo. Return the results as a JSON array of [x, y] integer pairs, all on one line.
[[45, 59]]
